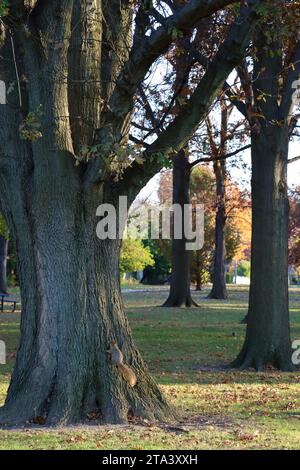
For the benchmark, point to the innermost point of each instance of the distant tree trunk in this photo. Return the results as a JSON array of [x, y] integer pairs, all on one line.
[[219, 290], [3, 263], [219, 283], [268, 332], [180, 290]]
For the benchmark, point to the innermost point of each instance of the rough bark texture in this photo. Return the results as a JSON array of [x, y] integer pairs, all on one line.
[[180, 291], [77, 311], [71, 309], [3, 262], [71, 301], [268, 334]]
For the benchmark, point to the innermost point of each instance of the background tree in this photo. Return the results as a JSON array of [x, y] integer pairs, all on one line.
[[219, 148], [269, 105], [202, 191], [294, 228], [189, 59], [134, 256], [3, 256]]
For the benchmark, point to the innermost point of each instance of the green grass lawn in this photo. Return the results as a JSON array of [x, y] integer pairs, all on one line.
[[217, 409]]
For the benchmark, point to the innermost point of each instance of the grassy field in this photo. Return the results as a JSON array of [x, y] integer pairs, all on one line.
[[217, 409]]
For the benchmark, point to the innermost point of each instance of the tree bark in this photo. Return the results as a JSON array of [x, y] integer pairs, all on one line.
[[180, 290], [70, 291], [71, 309], [268, 332], [268, 340], [219, 290], [198, 275], [3, 262]]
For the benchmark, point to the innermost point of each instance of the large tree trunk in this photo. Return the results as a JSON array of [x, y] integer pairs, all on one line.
[[180, 288], [71, 309], [3, 262], [268, 333], [219, 290], [71, 301], [268, 339]]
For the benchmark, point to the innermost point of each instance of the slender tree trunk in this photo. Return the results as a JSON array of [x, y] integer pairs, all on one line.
[[3, 262], [198, 275], [180, 290], [219, 290], [268, 333]]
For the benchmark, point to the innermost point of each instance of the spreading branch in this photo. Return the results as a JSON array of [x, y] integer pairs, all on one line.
[[234, 99], [144, 52], [221, 157], [177, 134], [152, 47], [294, 159]]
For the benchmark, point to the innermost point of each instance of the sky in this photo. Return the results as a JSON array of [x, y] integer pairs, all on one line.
[[294, 168]]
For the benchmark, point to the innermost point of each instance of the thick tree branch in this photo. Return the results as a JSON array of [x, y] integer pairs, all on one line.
[[229, 55], [227, 89], [240, 105], [179, 131], [159, 18], [120, 104], [136, 141], [141, 58], [149, 112]]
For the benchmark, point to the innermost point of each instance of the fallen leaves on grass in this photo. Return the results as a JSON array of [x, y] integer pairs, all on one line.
[[246, 436]]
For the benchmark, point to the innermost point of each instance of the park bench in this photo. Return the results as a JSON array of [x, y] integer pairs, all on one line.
[[7, 299]]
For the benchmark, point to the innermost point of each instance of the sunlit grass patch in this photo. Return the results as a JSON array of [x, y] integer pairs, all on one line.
[[185, 350]]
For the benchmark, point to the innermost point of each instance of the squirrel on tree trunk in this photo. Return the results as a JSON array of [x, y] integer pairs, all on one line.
[[117, 359]]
